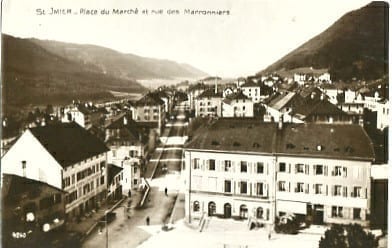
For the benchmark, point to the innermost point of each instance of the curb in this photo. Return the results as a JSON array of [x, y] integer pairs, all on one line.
[[174, 209]]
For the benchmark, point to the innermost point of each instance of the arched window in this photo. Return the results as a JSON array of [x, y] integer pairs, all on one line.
[[196, 206], [259, 213]]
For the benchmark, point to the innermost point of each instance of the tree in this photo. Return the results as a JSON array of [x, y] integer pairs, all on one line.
[[351, 236]]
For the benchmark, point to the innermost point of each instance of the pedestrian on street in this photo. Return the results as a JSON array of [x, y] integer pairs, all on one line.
[[129, 193], [148, 220], [165, 191], [269, 235]]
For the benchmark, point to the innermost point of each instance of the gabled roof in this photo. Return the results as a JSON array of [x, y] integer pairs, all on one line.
[[236, 96], [325, 140], [249, 83], [210, 93], [113, 170], [129, 131], [150, 99], [310, 140], [68, 143], [235, 135], [281, 101], [326, 108]]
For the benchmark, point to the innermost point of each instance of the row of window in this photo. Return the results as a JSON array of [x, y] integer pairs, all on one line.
[[212, 165], [98, 168], [261, 189], [337, 212], [337, 190], [87, 188], [316, 169]]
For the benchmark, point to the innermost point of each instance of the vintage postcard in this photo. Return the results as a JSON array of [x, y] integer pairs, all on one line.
[[178, 123]]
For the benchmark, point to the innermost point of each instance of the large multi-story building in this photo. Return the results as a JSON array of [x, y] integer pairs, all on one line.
[[247, 169], [65, 156]]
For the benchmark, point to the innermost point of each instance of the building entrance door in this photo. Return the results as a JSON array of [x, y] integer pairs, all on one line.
[[318, 218], [227, 210]]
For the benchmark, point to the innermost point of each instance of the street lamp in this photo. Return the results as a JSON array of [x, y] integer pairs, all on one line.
[[106, 227]]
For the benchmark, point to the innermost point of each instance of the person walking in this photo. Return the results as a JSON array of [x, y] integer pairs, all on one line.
[[129, 193], [148, 220], [165, 191]]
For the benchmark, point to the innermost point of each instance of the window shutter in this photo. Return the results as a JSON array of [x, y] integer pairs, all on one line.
[[289, 187], [307, 188], [325, 170], [307, 169], [314, 169], [345, 171], [289, 165], [326, 189], [266, 167], [255, 189], [265, 189], [250, 189]]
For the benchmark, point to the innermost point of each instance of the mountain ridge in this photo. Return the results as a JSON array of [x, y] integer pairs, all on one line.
[[356, 45]]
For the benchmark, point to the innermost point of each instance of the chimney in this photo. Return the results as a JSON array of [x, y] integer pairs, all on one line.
[[216, 86], [24, 168], [125, 120], [280, 124]]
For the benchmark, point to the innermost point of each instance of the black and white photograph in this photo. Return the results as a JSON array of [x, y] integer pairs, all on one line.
[[179, 123]]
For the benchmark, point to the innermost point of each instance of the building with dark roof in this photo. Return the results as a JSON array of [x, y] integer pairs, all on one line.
[[209, 103], [150, 109], [128, 144], [237, 105], [30, 209], [256, 171], [65, 156]]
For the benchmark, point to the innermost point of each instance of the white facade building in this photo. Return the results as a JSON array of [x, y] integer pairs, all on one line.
[[256, 171], [65, 156]]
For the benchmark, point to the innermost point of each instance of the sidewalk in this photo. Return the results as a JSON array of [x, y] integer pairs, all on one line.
[[87, 224]]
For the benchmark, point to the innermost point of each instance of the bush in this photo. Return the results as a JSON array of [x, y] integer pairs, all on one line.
[[351, 236]]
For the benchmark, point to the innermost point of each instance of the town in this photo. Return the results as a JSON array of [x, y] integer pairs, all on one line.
[[255, 149], [258, 124]]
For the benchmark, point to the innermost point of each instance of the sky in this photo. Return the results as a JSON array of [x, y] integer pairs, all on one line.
[[254, 35]]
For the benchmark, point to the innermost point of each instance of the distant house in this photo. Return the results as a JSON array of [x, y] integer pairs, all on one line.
[[150, 109], [128, 146], [237, 105], [65, 156], [251, 90], [209, 103], [227, 91], [305, 74], [308, 105], [85, 114], [30, 209], [115, 175], [194, 91]]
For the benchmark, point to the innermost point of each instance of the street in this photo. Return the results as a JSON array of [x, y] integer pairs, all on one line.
[[129, 228]]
